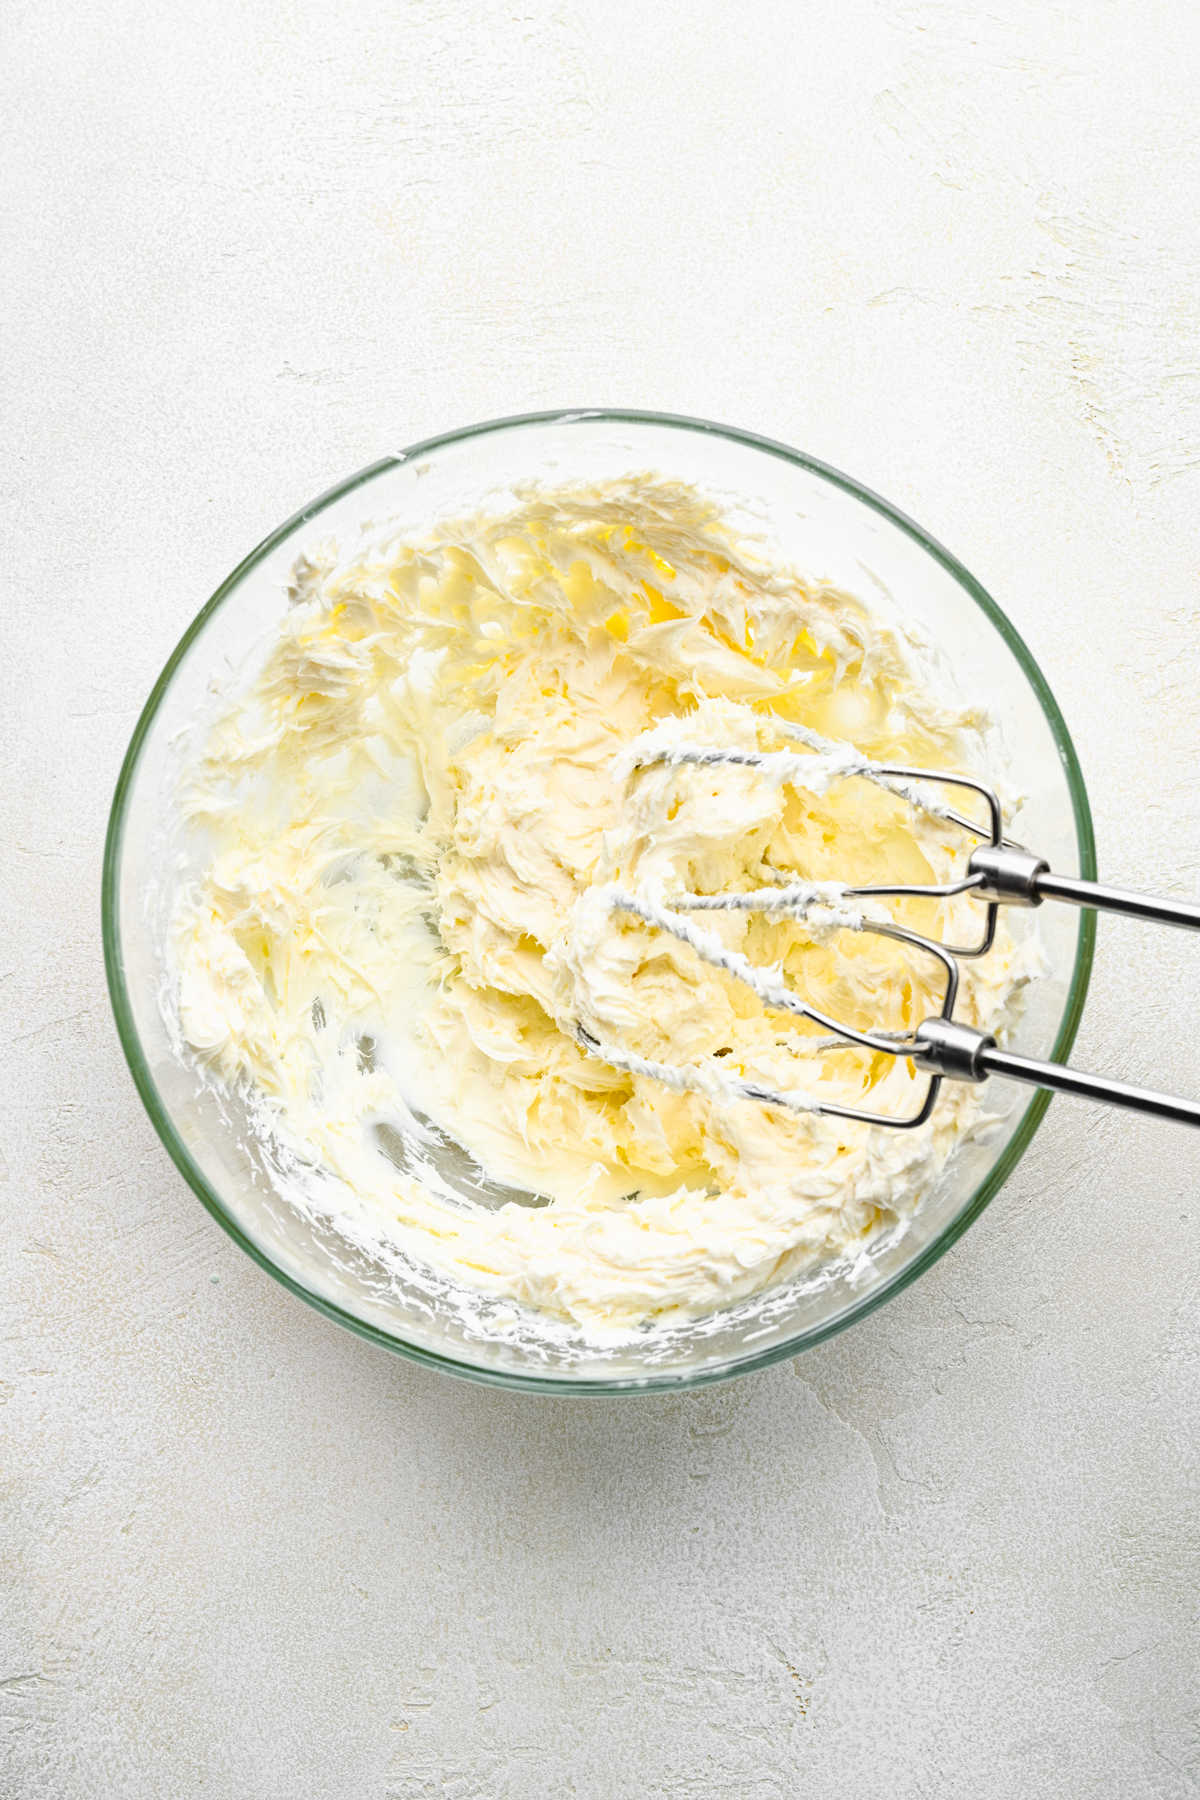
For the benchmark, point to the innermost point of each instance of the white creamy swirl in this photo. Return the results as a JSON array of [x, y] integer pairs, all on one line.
[[414, 816]]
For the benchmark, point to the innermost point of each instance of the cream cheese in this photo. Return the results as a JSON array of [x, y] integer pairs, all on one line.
[[432, 853]]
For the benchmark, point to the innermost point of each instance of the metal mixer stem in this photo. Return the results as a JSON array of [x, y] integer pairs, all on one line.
[[948, 1047], [1008, 874], [1117, 900], [1091, 1087]]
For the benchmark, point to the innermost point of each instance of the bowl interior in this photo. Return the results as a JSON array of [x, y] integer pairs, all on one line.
[[809, 516]]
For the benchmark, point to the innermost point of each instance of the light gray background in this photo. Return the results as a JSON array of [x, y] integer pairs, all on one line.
[[250, 247]]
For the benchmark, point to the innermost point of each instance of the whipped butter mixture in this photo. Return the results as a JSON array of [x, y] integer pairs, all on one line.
[[401, 946]]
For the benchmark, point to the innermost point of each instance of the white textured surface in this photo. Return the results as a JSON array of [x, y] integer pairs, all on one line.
[[248, 247]]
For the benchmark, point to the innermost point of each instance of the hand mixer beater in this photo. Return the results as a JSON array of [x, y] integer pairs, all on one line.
[[997, 873]]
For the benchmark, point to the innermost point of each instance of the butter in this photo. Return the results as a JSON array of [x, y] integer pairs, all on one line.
[[415, 812]]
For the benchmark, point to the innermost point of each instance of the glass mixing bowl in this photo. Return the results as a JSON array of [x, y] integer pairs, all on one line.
[[816, 519]]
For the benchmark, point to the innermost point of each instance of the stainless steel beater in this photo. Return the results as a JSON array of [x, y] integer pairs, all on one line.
[[998, 873]]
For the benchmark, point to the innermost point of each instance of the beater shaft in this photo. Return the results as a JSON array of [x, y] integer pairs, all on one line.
[[948, 1047]]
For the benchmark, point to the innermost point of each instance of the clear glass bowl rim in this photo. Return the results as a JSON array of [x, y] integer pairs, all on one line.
[[987, 1189]]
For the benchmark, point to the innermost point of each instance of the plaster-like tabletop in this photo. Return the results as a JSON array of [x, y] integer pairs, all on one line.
[[249, 247]]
